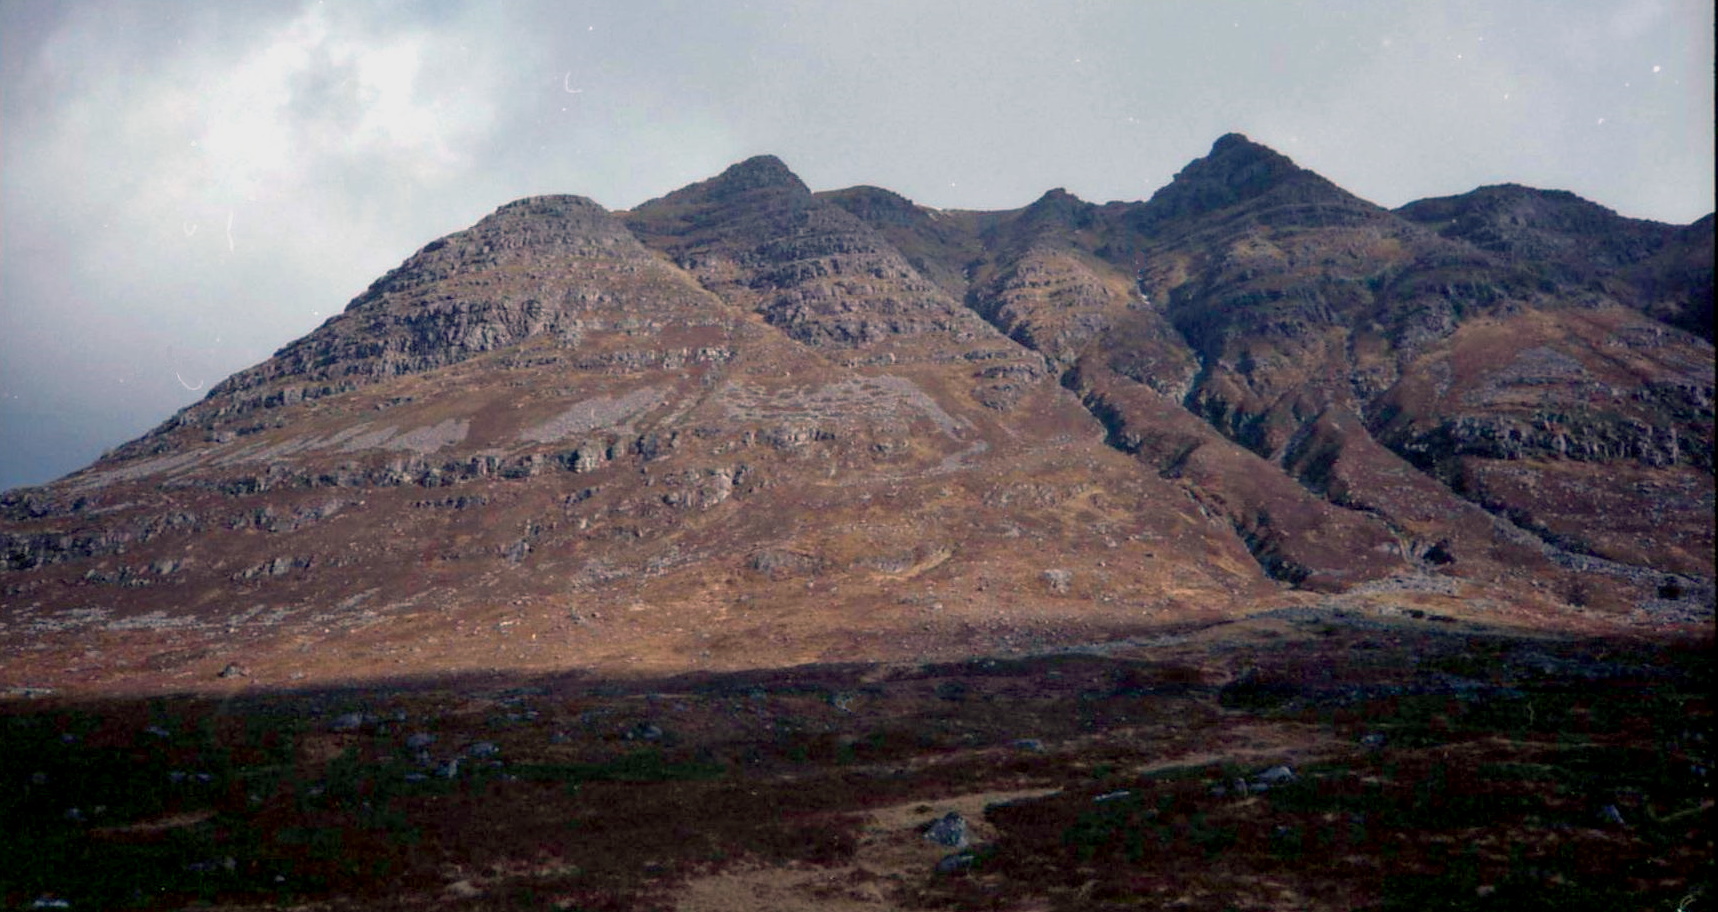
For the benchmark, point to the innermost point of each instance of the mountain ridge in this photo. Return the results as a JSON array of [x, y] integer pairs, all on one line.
[[743, 415]]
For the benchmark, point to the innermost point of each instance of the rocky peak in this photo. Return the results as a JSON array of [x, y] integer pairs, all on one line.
[[1241, 162], [557, 225], [555, 220], [756, 236], [750, 200], [561, 205], [760, 171], [534, 267], [1237, 171], [764, 173]]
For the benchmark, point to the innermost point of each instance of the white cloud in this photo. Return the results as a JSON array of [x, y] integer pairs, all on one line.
[[181, 198]]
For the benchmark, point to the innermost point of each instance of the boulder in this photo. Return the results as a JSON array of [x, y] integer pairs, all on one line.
[[948, 830]]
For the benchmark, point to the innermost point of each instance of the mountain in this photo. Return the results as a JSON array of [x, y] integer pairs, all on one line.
[[747, 424]]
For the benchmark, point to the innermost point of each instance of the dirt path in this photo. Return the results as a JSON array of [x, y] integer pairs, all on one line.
[[892, 852]]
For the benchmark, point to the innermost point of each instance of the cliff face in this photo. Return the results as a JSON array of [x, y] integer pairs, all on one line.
[[750, 424]]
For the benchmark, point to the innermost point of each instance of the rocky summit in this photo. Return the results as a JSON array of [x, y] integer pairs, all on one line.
[[750, 425]]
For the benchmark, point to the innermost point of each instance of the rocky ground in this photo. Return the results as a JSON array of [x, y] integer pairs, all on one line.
[[1313, 758]]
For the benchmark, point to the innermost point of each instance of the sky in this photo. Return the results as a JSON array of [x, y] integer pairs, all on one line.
[[187, 186]]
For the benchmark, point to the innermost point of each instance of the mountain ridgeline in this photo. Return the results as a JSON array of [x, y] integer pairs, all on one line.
[[749, 424]]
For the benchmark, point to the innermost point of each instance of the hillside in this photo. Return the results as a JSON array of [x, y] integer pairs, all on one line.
[[748, 425]]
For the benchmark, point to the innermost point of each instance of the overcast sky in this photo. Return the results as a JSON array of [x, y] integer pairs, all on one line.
[[187, 186]]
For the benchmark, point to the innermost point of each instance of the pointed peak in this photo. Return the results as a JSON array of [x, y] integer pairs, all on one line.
[[1237, 142], [759, 171], [1240, 164], [764, 173], [1235, 171], [1234, 156]]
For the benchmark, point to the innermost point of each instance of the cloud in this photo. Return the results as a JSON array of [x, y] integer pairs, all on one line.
[[184, 193]]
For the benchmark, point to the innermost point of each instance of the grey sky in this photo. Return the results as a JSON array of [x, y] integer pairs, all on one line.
[[187, 186]]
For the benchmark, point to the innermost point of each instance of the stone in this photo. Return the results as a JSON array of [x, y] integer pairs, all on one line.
[[463, 889], [1276, 775], [1058, 580], [948, 830]]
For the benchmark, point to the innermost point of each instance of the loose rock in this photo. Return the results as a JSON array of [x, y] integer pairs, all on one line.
[[949, 830], [463, 889], [1058, 580], [1276, 775]]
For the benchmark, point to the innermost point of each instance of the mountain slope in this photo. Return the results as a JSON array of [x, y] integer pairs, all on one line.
[[747, 425], [1450, 402]]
